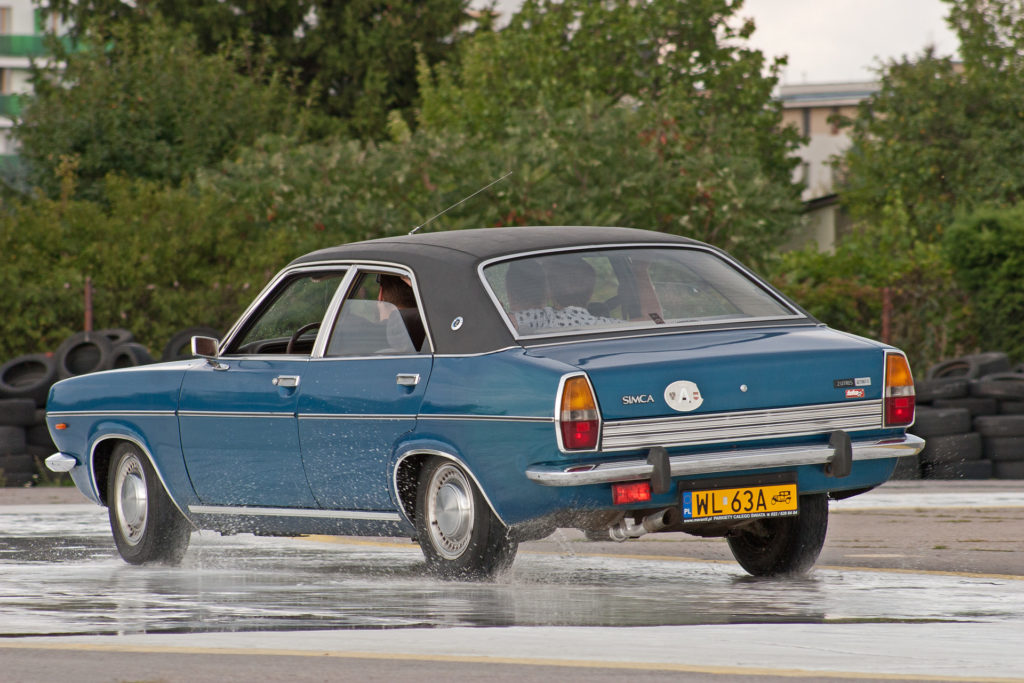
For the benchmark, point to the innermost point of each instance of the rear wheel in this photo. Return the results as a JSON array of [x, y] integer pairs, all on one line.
[[459, 535], [146, 525], [783, 545]]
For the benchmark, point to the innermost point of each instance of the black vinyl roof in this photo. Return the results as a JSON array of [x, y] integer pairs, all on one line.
[[445, 267]]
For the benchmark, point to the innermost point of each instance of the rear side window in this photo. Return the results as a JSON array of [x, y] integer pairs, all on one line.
[[626, 288]]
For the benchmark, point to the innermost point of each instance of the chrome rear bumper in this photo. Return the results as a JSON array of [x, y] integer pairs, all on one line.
[[721, 461]]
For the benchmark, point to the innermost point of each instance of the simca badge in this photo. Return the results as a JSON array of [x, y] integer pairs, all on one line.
[[683, 396]]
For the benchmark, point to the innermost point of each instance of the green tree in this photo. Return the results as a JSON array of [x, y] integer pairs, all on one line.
[[150, 105], [355, 59], [945, 136], [660, 105]]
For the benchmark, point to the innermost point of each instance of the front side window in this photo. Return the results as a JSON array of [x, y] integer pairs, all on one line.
[[288, 320], [625, 288]]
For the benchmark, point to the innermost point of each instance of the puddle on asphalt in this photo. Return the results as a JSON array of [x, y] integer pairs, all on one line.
[[60, 574]]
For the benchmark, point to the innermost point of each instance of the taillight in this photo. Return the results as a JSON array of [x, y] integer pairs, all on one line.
[[899, 391], [579, 422]]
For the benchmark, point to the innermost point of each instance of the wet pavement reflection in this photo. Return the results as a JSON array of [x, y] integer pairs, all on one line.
[[60, 574]]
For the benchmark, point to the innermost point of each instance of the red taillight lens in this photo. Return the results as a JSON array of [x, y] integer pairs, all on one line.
[[632, 492], [578, 419], [899, 391]]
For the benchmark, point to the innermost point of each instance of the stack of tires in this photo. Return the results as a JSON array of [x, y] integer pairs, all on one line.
[[25, 383], [971, 414]]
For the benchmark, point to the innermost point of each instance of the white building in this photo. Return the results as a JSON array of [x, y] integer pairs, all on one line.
[[811, 109], [21, 40]]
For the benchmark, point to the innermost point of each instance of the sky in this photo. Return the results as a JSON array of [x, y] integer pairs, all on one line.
[[830, 41]]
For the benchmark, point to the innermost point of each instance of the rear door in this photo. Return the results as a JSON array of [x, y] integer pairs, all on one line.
[[364, 392]]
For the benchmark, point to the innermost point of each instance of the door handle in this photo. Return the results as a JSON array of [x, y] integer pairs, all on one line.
[[286, 381], [403, 379]]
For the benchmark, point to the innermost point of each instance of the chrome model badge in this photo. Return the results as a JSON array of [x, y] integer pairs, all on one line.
[[683, 396]]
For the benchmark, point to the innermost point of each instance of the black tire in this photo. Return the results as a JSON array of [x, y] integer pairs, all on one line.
[[907, 468], [971, 366], [927, 390], [1011, 407], [147, 527], [28, 376], [977, 406], [1004, 448], [129, 355], [783, 545], [951, 448], [83, 353], [1008, 470], [1008, 386], [930, 422], [1000, 425], [117, 336], [39, 435], [972, 469], [460, 536], [180, 345], [12, 440], [20, 463], [17, 412]]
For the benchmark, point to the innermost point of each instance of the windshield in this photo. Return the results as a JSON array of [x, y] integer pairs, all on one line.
[[626, 288]]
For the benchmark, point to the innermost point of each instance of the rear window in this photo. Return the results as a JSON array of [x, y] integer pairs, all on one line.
[[626, 288]]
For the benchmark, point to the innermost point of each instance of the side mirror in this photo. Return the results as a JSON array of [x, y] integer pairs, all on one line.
[[205, 347]]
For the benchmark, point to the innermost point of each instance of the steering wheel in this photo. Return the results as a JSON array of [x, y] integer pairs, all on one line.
[[298, 333]]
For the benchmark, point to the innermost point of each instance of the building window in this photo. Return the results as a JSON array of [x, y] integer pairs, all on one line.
[[833, 119], [807, 122]]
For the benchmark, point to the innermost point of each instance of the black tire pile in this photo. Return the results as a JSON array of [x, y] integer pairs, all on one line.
[[970, 411], [25, 383]]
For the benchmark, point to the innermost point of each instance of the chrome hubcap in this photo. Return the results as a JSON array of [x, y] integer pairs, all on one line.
[[450, 511], [131, 499]]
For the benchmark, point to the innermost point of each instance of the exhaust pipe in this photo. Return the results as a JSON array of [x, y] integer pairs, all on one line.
[[626, 529]]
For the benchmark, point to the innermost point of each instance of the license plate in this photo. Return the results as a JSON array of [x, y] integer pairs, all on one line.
[[746, 502]]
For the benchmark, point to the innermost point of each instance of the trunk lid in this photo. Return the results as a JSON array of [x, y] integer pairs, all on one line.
[[764, 379]]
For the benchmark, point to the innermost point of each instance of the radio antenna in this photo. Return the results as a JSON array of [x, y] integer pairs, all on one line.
[[493, 182]]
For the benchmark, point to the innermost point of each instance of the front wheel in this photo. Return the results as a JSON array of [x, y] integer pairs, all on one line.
[[146, 525], [783, 545], [459, 535]]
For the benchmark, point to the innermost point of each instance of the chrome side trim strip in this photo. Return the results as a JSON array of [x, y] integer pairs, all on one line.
[[229, 413], [111, 413], [292, 512], [485, 418], [693, 430], [721, 462], [344, 416]]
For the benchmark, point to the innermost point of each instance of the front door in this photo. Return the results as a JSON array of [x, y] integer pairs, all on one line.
[[237, 413]]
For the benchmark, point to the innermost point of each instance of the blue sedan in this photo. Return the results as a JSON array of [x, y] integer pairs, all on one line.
[[475, 389]]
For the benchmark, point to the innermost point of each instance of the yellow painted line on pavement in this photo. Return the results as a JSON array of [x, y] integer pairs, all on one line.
[[512, 661]]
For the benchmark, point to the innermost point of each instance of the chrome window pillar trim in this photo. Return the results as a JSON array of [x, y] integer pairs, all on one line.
[[721, 462], [243, 511]]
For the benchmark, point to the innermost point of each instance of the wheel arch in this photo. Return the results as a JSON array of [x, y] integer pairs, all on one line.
[[102, 453], [406, 479]]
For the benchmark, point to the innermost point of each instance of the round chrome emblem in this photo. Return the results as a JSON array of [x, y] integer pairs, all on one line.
[[456, 324], [683, 396]]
